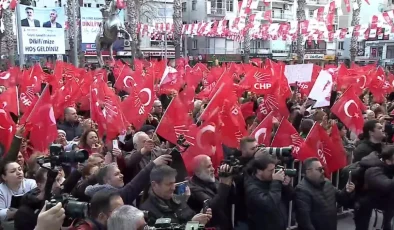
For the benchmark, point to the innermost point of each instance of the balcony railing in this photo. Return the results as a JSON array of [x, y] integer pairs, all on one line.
[[317, 2], [260, 51], [218, 51], [217, 11], [281, 15]]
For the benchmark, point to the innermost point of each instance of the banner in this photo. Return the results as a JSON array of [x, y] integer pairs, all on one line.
[[91, 18], [42, 30]]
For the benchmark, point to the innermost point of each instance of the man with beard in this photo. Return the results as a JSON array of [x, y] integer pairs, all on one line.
[[316, 197], [205, 188]]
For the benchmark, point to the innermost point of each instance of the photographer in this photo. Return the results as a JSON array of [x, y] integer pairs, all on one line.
[[51, 219], [267, 194], [102, 205], [205, 188], [162, 203], [26, 216]]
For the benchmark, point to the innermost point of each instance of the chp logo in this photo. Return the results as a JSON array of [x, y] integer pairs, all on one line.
[[263, 81]]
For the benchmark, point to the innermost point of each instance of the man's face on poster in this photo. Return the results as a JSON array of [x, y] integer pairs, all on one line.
[[53, 16], [30, 14]]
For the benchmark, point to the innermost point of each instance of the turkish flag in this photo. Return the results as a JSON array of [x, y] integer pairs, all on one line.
[[9, 100], [262, 133], [7, 130], [349, 109]]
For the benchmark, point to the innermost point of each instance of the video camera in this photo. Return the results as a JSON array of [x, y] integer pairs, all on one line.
[[234, 163], [165, 224], [57, 156], [288, 172]]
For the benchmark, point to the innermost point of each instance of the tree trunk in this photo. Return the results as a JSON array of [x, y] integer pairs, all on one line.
[[353, 41], [246, 42], [132, 26], [9, 35], [177, 18], [300, 38]]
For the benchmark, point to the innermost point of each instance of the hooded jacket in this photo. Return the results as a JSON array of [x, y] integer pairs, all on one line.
[[26, 216]]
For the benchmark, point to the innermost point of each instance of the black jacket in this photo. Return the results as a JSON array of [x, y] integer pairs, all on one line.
[[217, 195], [178, 212], [26, 216], [315, 205], [267, 204], [365, 148], [72, 130], [379, 184]]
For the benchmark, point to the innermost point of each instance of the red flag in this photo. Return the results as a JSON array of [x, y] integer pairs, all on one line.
[[318, 144], [287, 135], [9, 100], [263, 131], [42, 120], [349, 110], [7, 129]]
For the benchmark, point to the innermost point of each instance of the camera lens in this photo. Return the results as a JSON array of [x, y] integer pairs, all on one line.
[[74, 156]]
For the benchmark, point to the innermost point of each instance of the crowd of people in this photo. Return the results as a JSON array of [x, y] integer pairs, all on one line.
[[133, 183]]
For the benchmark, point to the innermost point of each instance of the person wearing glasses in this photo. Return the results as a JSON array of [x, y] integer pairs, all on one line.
[[315, 198], [29, 21], [52, 21]]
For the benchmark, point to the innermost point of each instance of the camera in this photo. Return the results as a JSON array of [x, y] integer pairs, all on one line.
[[165, 224], [73, 208], [57, 156], [288, 172], [234, 163], [283, 152]]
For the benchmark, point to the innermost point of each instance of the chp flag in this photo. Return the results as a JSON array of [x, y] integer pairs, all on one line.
[[41, 30]]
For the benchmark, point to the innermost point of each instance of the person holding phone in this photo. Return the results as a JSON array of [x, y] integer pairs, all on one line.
[[208, 192], [162, 203]]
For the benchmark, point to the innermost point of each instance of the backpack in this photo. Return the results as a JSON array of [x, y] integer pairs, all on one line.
[[357, 173]]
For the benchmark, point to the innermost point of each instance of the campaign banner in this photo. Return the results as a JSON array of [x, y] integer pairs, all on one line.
[[91, 18], [42, 30]]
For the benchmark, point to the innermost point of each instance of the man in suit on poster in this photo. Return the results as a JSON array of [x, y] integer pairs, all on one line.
[[29, 21], [52, 22]]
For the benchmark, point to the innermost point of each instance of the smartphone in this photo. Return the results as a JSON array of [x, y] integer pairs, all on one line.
[[349, 180], [115, 144], [180, 188], [205, 206]]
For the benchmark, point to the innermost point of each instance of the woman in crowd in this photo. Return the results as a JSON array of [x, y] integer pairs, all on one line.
[[90, 142], [14, 185]]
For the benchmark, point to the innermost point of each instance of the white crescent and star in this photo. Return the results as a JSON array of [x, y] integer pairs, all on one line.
[[6, 76], [4, 104], [52, 116], [149, 92], [365, 80], [346, 107], [259, 132], [201, 132], [95, 90], [125, 81]]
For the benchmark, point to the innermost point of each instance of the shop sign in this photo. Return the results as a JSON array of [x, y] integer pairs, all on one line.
[[314, 56]]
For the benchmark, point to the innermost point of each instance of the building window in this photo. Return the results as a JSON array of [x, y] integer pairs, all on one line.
[[229, 5], [219, 4], [340, 45], [194, 44], [390, 52], [165, 12], [87, 5], [321, 45], [184, 6], [310, 13], [194, 5]]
